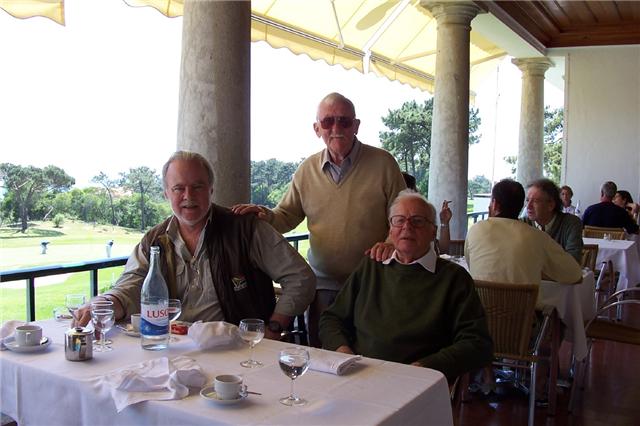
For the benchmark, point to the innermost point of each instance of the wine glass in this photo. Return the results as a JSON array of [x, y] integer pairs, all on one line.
[[73, 302], [252, 332], [175, 309], [101, 304], [294, 362], [102, 320]]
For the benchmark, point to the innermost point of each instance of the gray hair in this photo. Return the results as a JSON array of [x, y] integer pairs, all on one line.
[[336, 97], [410, 193], [609, 189], [187, 156]]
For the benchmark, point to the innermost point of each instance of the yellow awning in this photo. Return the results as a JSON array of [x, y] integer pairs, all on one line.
[[391, 38]]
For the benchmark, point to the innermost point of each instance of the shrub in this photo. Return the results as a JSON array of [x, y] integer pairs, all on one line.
[[58, 220]]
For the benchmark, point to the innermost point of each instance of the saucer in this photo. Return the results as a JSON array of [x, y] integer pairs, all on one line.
[[128, 330], [209, 393], [13, 346]]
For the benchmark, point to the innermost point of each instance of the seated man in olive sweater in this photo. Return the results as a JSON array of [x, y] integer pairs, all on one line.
[[413, 308]]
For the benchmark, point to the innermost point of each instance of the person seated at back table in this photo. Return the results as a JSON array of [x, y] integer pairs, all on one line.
[[566, 193], [625, 200], [608, 215], [544, 212], [414, 307], [220, 265]]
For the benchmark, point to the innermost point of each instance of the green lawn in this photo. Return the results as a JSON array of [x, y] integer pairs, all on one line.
[[73, 242]]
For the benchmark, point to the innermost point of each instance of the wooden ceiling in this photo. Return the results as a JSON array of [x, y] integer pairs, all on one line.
[[571, 23]]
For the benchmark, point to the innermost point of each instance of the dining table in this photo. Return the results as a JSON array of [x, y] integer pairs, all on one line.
[[45, 388], [624, 255]]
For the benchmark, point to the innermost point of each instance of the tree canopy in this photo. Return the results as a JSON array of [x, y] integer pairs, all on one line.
[[270, 180], [25, 185], [409, 138], [144, 182]]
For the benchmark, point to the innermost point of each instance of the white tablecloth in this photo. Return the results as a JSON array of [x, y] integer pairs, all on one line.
[[575, 304], [45, 388], [625, 258]]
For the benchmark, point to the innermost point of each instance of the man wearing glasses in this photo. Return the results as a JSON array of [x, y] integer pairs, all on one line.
[[344, 191], [414, 307]]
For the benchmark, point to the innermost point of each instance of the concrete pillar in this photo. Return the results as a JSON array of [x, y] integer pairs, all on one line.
[[531, 136], [215, 93], [449, 164]]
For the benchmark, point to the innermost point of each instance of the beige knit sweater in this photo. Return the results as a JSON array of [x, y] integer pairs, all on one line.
[[344, 219]]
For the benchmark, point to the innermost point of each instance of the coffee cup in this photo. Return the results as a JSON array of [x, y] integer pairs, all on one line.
[[135, 322], [228, 386], [28, 335]]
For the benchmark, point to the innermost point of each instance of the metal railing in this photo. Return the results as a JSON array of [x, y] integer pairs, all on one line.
[[93, 266]]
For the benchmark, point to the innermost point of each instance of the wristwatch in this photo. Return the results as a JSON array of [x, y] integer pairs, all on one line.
[[275, 327]]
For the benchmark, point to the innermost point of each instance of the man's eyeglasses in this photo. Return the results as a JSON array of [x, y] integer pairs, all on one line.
[[328, 122], [415, 221]]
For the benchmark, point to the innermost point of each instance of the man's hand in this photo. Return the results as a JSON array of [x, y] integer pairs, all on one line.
[[83, 315], [345, 350], [445, 213], [380, 251], [250, 208], [272, 335]]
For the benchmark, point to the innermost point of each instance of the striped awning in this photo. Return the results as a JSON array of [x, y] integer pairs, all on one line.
[[391, 38]]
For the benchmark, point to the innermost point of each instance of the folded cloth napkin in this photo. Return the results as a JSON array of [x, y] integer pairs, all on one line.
[[157, 379], [332, 362], [6, 332], [208, 335]]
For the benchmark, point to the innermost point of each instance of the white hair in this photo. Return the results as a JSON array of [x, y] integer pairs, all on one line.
[[410, 193]]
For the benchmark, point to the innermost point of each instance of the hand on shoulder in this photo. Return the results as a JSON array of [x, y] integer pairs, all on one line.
[[250, 208]]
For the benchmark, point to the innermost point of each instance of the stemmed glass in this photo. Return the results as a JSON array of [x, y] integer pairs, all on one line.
[[175, 309], [252, 332], [102, 320], [102, 304], [73, 302], [294, 362]]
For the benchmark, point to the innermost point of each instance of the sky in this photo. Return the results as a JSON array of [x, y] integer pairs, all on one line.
[[101, 94]]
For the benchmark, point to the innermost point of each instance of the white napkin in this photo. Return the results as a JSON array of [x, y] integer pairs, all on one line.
[[208, 335], [157, 379], [6, 332], [332, 362]]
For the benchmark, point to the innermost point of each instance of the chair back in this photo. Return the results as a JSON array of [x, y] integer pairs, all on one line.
[[510, 310], [456, 247], [598, 232], [589, 256]]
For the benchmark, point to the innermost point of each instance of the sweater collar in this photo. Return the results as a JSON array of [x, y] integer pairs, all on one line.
[[428, 261]]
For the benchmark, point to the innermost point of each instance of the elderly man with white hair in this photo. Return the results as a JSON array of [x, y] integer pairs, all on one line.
[[415, 307]]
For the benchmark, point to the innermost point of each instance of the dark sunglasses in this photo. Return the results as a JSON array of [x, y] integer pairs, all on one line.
[[328, 122]]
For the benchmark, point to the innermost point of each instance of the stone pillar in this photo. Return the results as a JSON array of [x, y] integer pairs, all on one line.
[[215, 93], [449, 163], [531, 136]]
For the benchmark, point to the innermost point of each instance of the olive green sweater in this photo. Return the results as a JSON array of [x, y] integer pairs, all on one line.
[[404, 313]]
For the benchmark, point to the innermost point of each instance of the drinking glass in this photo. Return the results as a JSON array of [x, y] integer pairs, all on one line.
[[73, 302], [252, 332], [175, 309], [294, 362], [104, 304], [102, 320]]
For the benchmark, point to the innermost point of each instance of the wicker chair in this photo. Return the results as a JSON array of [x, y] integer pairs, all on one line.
[[589, 256], [510, 310], [605, 329], [598, 232]]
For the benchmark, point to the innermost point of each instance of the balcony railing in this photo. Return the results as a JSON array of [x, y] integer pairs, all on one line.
[[93, 266]]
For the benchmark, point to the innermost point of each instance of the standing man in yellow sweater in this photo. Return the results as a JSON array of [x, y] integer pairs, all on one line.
[[345, 192]]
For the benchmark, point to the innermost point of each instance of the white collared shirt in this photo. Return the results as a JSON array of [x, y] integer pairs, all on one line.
[[547, 226], [428, 261]]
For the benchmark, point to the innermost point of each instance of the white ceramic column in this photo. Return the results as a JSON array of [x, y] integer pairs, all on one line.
[[215, 93], [531, 136], [448, 167]]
